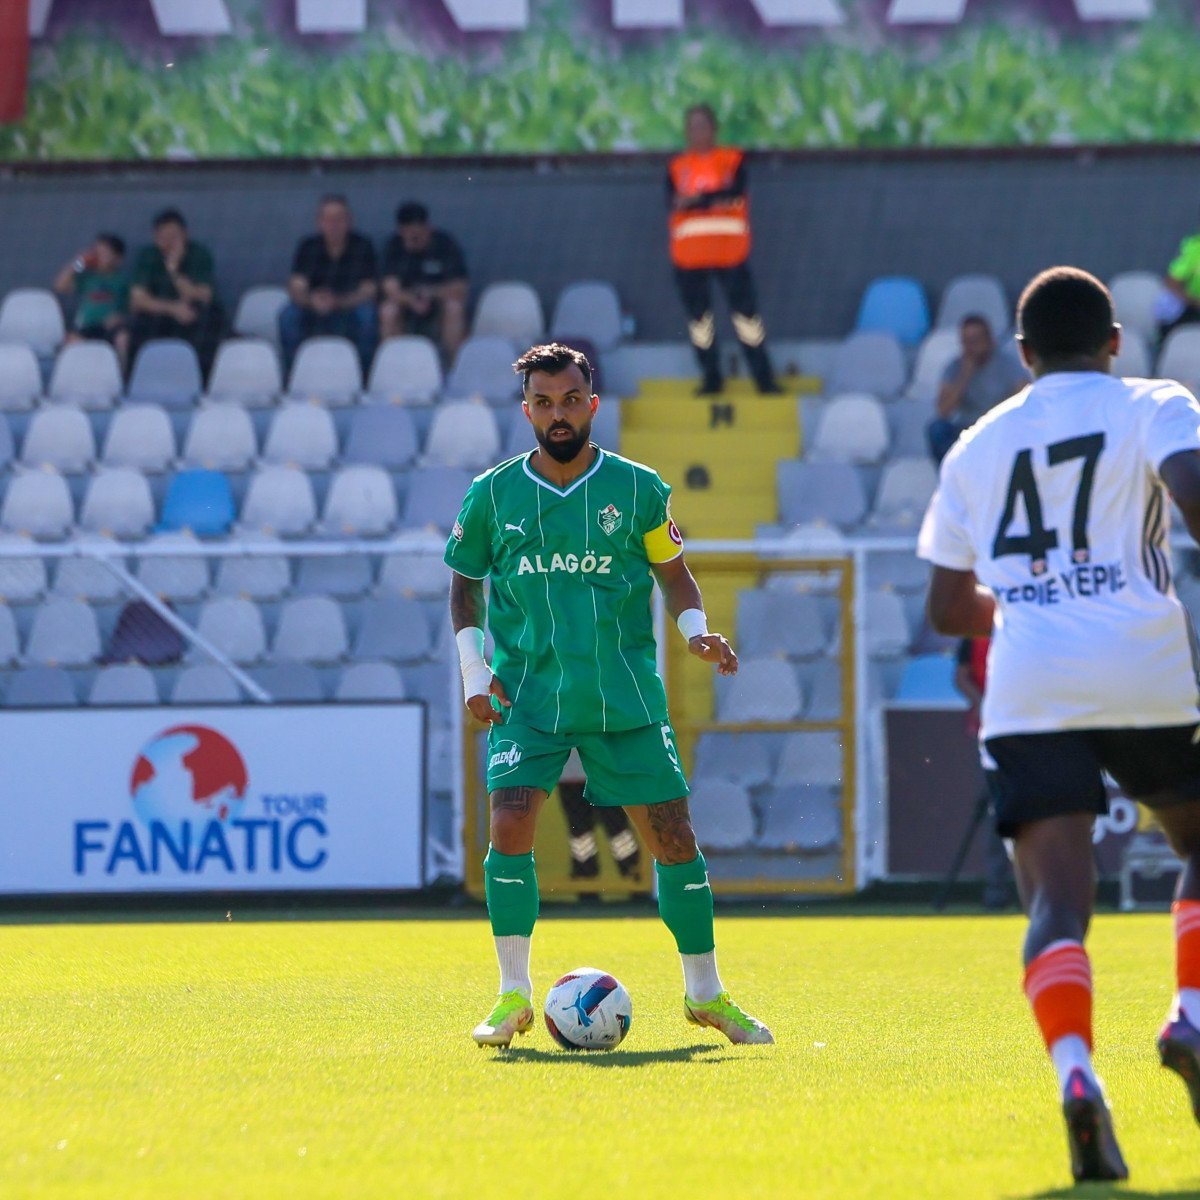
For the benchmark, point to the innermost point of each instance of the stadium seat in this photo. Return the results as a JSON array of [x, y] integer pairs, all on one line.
[[64, 634], [22, 579], [588, 308], [430, 682], [435, 496], [1180, 356], [406, 370], [1135, 294], [85, 577], [123, 684], [801, 818], [512, 311], [234, 626], [180, 578], [383, 435], [905, 489], [361, 503], [779, 622], [721, 812], [8, 450], [764, 689], [365, 681], [1133, 361], [483, 369], [822, 688], [939, 348], [326, 369], [908, 421], [899, 569], [198, 501], [37, 504], [810, 759], [279, 501], [140, 436], [59, 436], [311, 629], [464, 433], [220, 437], [118, 503], [41, 687], [257, 314], [302, 433], [20, 377], [929, 679], [256, 576], [142, 635], [206, 683], [246, 370], [852, 428], [166, 371], [829, 492], [87, 374], [744, 758], [974, 295], [393, 628], [32, 316], [412, 574], [10, 650], [290, 683], [868, 362], [888, 634], [894, 304], [346, 576]]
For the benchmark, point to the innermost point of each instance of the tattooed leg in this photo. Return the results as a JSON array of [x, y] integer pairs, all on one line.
[[667, 830], [514, 818]]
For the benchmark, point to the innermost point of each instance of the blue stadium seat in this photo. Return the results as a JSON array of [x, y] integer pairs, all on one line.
[[930, 679], [894, 304], [200, 501]]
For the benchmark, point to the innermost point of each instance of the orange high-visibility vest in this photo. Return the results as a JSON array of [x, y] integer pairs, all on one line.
[[709, 237]]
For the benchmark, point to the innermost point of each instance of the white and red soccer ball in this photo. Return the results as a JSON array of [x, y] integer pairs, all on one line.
[[588, 1010]]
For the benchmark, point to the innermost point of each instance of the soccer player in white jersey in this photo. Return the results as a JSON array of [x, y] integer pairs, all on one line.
[[1049, 524], [572, 539]]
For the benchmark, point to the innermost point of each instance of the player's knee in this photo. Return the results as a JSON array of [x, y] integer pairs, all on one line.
[[511, 834], [677, 844]]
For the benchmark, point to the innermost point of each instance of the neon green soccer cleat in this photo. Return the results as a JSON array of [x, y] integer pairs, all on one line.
[[512, 1013], [721, 1013]]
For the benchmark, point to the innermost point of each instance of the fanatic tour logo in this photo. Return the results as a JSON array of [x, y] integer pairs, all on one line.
[[190, 791]]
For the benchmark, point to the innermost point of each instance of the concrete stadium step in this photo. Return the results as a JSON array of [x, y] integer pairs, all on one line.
[[661, 411]]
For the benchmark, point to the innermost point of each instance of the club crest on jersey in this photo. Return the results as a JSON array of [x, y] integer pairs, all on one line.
[[610, 519]]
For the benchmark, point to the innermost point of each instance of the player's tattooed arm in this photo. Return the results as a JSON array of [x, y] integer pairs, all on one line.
[[467, 605], [671, 837]]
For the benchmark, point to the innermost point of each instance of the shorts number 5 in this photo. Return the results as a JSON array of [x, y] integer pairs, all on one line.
[[672, 754]]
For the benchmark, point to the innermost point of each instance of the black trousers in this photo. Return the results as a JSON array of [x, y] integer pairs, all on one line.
[[695, 289], [582, 819]]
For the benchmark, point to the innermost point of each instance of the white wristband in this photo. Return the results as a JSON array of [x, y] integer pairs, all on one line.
[[692, 623], [476, 674]]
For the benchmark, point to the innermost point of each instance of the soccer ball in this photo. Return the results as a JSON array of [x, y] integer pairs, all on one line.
[[588, 1010]]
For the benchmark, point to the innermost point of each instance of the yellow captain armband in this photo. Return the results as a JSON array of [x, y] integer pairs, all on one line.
[[664, 543]]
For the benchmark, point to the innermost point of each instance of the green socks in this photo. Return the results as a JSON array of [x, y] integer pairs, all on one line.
[[685, 904], [510, 883]]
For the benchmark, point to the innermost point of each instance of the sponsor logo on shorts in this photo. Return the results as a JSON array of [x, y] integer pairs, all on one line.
[[610, 519], [507, 754]]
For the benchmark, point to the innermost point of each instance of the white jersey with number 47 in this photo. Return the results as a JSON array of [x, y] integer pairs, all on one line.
[[1054, 500]]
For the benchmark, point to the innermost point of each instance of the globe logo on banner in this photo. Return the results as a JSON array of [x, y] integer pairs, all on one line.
[[188, 775]]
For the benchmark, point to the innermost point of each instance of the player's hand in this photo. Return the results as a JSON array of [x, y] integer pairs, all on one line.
[[713, 648], [480, 707]]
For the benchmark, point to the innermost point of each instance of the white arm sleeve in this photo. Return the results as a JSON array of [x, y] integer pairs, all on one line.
[[945, 538], [1175, 425]]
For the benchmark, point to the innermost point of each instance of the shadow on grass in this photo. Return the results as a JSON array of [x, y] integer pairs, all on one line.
[[614, 1058], [1101, 1191]]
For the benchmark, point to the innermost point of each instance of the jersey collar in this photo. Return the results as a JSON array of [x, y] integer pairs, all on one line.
[[571, 487]]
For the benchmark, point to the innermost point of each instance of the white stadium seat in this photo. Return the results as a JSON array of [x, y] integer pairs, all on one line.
[[1134, 296], [361, 503], [326, 368], [302, 433], [205, 683], [220, 438], [974, 295], [853, 428], [1180, 356], [123, 683], [801, 818], [810, 758], [41, 687], [257, 576], [88, 578], [140, 435], [588, 308], [246, 370], [38, 504], [311, 629], [764, 689], [279, 501], [64, 633], [20, 377], [464, 433], [32, 316], [86, 373], [234, 626], [483, 369], [510, 310], [117, 502], [166, 371], [258, 310], [59, 436], [905, 489], [406, 370], [22, 580], [721, 811], [365, 681], [9, 648], [1133, 361], [868, 362], [180, 578], [939, 348]]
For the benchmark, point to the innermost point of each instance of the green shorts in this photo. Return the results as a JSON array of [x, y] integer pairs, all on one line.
[[635, 766]]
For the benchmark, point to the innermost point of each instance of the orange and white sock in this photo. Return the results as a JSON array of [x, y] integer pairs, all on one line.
[[1058, 983], [1187, 958]]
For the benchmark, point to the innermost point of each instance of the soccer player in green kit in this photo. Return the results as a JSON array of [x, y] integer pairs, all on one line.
[[572, 538]]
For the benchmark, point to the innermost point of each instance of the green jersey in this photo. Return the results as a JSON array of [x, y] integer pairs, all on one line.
[[569, 610]]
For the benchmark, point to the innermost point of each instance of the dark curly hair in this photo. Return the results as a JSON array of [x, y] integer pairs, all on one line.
[[553, 358]]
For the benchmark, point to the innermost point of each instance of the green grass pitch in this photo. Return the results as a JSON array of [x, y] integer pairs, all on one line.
[[332, 1059]]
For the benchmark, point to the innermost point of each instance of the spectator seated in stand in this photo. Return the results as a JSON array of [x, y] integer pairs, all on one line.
[[973, 383], [332, 288], [97, 279], [172, 293], [424, 282]]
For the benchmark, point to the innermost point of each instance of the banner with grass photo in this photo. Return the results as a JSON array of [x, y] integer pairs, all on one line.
[[203, 79]]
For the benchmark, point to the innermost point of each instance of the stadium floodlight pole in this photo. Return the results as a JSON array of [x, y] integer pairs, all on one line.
[[178, 624]]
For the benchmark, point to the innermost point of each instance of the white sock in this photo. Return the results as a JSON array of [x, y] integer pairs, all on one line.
[[1188, 1002], [700, 979], [1070, 1053], [513, 953]]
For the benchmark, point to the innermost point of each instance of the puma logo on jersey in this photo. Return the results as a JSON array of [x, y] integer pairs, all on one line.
[[589, 564], [515, 528]]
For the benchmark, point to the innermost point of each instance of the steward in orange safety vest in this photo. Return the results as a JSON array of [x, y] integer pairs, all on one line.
[[709, 227]]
